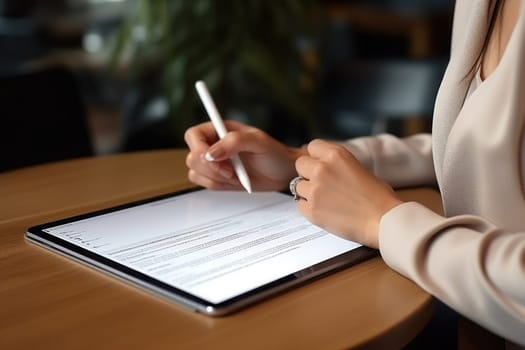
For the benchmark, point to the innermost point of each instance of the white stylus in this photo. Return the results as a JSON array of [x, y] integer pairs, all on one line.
[[218, 124]]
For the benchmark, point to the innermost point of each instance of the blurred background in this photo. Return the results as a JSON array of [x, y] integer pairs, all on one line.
[[95, 77]]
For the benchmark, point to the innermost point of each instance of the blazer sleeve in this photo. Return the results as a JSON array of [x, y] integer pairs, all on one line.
[[401, 162], [465, 261]]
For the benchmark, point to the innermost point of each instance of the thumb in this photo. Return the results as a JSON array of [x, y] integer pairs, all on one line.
[[232, 144]]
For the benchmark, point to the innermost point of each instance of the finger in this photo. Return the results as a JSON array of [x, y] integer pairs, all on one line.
[[315, 169], [218, 171], [302, 189], [211, 183], [203, 135], [327, 150], [305, 166], [317, 148], [200, 137], [234, 142], [330, 153]]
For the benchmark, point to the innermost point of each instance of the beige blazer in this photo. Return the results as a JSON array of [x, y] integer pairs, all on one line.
[[473, 259]]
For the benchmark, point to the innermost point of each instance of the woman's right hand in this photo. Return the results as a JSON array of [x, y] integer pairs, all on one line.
[[269, 163]]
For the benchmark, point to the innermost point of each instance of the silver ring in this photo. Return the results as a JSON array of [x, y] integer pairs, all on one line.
[[293, 185]]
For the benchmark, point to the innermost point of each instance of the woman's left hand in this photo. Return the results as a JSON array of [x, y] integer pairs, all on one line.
[[340, 195]]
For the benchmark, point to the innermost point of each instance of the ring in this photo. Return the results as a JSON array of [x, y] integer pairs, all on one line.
[[293, 189]]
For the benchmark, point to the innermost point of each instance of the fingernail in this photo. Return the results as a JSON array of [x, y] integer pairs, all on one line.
[[209, 157], [214, 153]]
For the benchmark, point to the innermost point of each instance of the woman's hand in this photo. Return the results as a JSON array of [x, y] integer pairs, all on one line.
[[269, 163], [340, 195]]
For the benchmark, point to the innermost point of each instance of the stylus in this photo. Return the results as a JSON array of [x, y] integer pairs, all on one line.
[[218, 124]]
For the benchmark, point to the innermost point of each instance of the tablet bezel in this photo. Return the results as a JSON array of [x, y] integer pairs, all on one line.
[[37, 235]]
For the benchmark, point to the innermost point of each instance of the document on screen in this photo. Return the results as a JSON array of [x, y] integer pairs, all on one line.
[[212, 245]]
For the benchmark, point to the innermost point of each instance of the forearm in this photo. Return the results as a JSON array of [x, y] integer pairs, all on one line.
[[401, 162], [467, 262]]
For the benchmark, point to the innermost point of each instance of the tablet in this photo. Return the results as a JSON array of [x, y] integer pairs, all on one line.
[[213, 252]]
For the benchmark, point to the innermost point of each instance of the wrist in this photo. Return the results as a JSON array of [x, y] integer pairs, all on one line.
[[374, 226]]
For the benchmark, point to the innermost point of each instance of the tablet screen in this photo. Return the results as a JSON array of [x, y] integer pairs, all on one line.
[[215, 246]]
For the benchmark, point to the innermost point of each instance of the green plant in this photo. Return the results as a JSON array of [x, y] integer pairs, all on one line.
[[245, 50]]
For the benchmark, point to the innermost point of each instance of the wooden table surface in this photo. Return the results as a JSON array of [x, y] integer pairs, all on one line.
[[50, 302]]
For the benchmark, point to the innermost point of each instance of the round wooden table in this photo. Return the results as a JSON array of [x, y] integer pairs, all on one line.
[[50, 302]]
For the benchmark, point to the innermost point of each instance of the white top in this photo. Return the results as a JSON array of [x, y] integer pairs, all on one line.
[[474, 258]]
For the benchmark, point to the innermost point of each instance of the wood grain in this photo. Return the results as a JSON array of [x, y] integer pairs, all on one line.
[[50, 302]]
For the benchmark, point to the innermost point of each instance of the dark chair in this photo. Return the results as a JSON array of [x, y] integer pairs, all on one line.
[[43, 118], [365, 97], [385, 66]]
